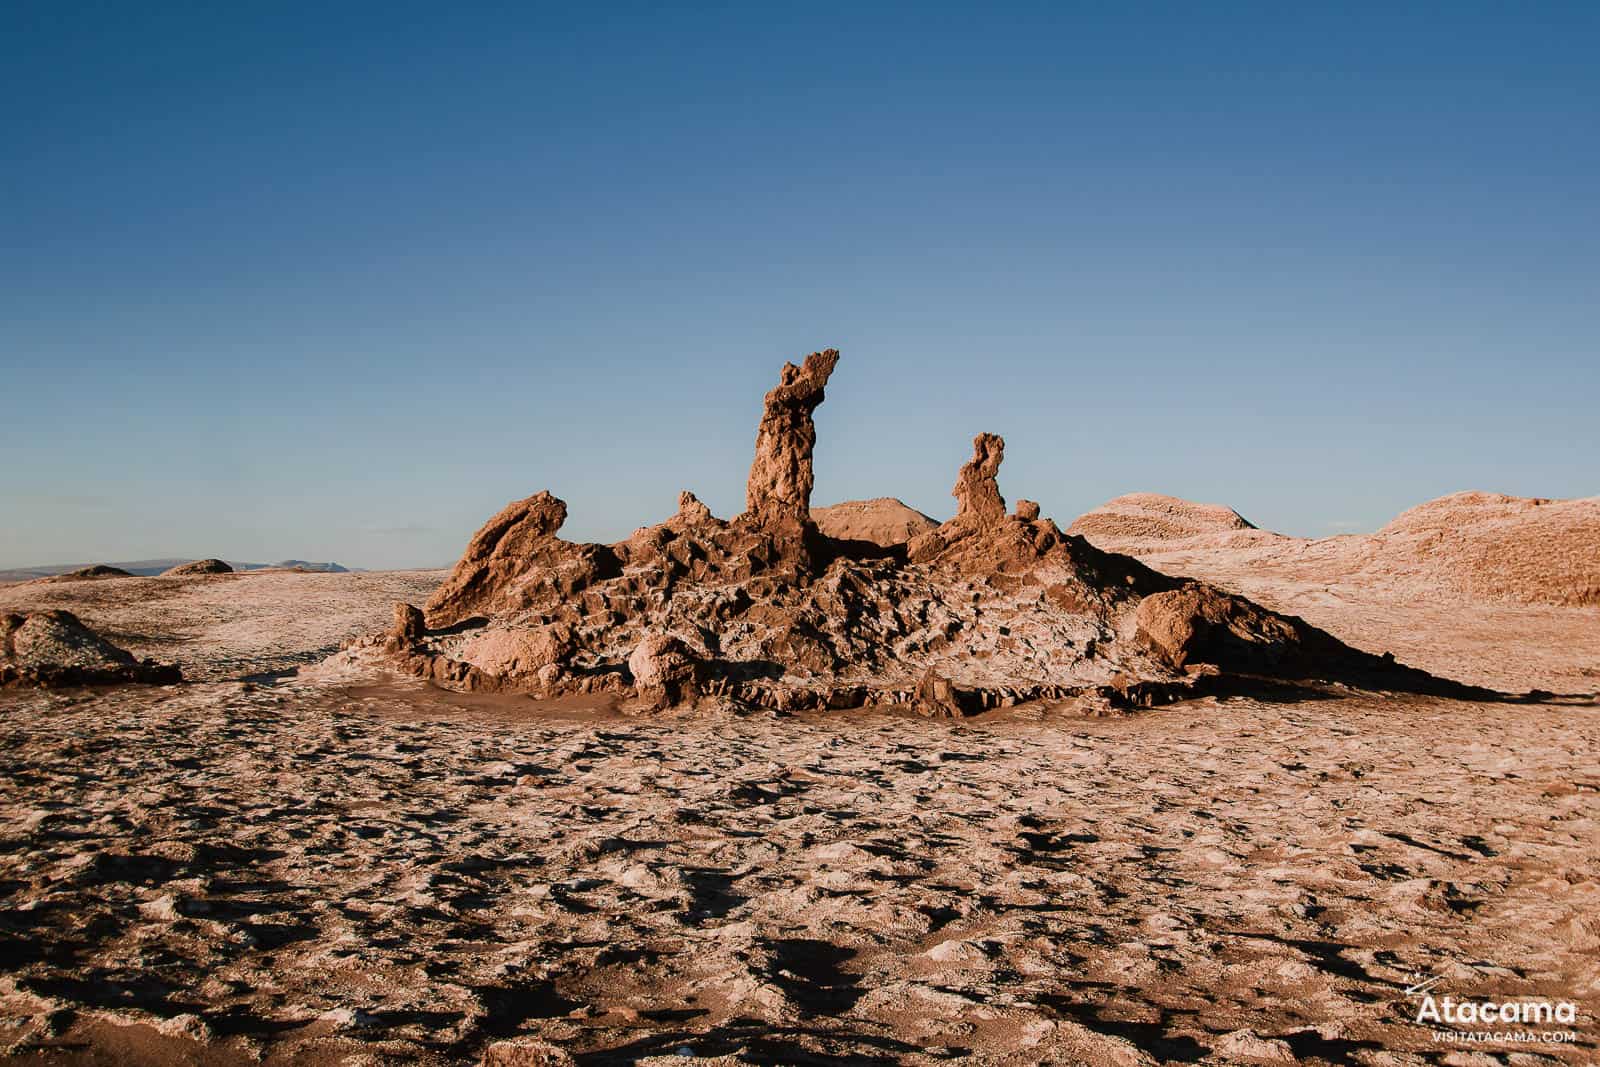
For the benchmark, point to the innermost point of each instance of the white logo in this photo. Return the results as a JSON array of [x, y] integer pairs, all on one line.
[[1483, 1021]]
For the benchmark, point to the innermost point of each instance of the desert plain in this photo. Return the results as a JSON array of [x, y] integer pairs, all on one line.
[[357, 835]]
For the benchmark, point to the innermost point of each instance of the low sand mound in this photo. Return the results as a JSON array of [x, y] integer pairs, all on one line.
[[1502, 547], [52, 648], [88, 574], [883, 521], [1466, 546], [1139, 522], [200, 566], [765, 609]]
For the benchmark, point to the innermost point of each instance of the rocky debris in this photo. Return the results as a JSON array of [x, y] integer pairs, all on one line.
[[53, 648], [766, 610], [1248, 1046], [409, 623], [509, 653], [779, 488], [883, 521], [199, 566], [665, 671], [524, 1052], [1199, 623], [937, 697], [885, 890], [95, 573]]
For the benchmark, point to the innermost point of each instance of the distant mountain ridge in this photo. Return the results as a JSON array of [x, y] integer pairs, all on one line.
[[148, 567]]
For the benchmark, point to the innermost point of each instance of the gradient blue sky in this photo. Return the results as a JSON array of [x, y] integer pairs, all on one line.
[[336, 281]]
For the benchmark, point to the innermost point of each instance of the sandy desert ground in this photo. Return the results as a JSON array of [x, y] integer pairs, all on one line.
[[322, 869], [229, 626]]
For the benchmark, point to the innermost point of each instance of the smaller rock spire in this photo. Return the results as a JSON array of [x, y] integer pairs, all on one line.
[[978, 500]]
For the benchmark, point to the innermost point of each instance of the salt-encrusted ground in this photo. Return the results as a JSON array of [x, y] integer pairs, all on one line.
[[224, 626], [358, 871]]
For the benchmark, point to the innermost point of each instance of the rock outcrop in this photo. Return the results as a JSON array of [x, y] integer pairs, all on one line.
[[515, 557], [692, 514], [883, 521], [665, 671], [766, 610], [53, 649], [98, 572], [779, 488], [1200, 624], [199, 566], [409, 622]]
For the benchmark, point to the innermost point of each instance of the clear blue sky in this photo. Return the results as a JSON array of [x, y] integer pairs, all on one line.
[[337, 281]]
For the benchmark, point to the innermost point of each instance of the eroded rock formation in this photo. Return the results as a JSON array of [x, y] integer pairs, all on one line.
[[54, 648], [779, 488], [977, 491], [692, 513], [986, 610], [514, 558]]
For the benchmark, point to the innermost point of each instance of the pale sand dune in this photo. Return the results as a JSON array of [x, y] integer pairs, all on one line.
[[1482, 588]]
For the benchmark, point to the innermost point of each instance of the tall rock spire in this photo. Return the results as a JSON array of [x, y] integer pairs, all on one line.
[[781, 477]]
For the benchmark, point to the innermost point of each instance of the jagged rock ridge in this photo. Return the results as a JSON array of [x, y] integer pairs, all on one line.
[[764, 609]]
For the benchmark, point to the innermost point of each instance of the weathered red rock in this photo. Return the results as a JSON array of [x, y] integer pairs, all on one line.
[[522, 651], [977, 492], [1199, 623], [781, 476], [692, 513], [937, 698], [516, 560], [665, 671], [409, 624]]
